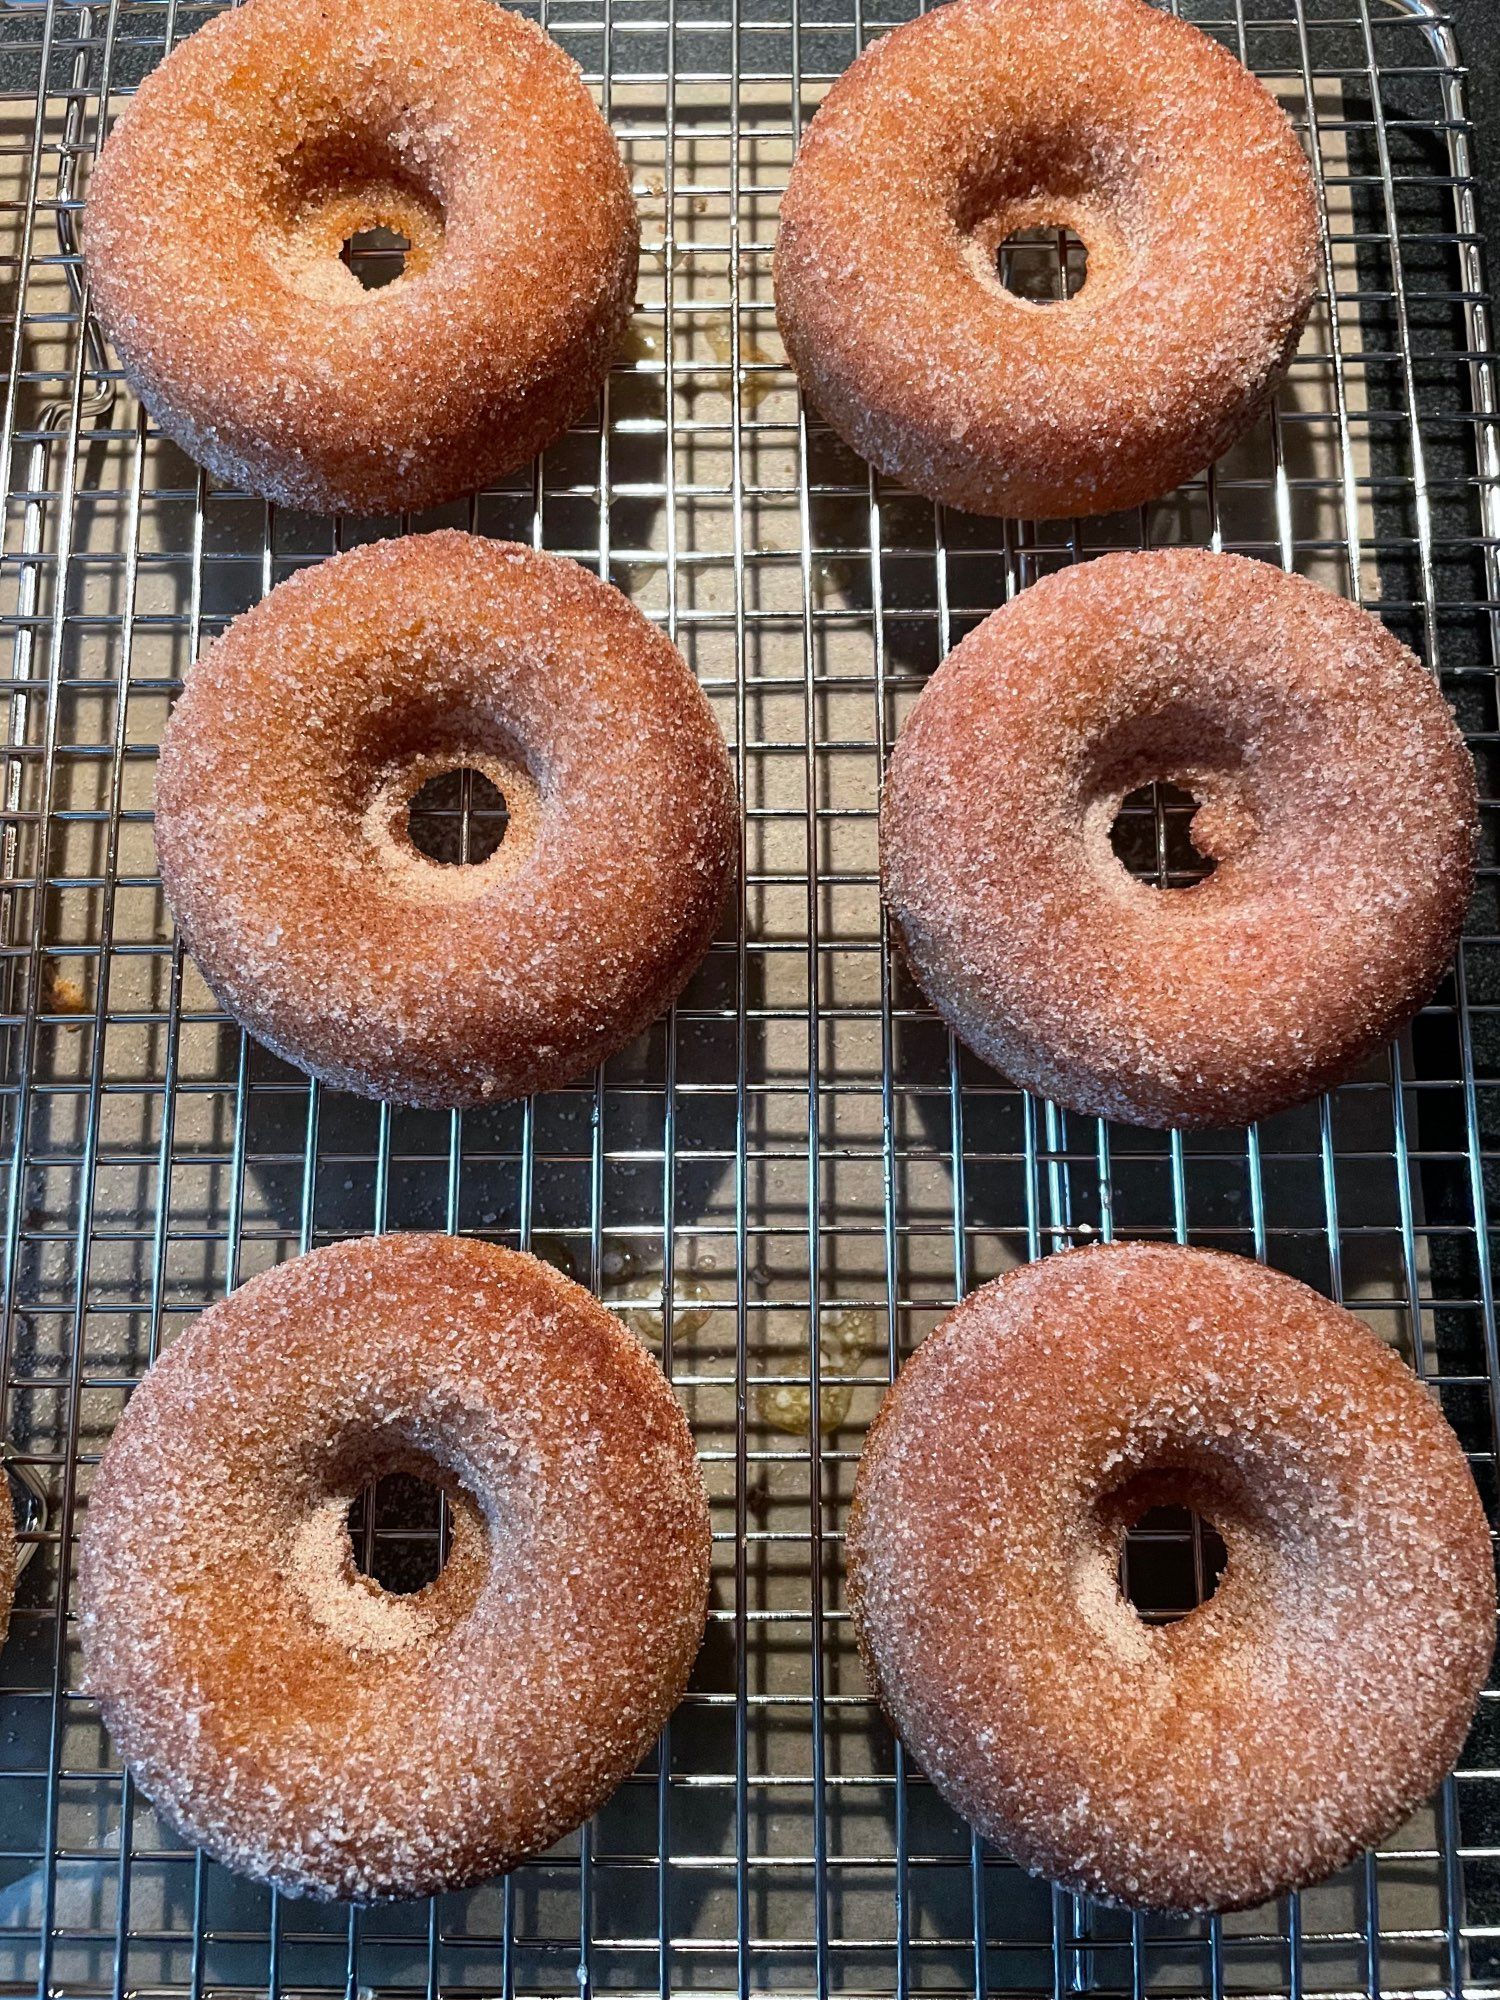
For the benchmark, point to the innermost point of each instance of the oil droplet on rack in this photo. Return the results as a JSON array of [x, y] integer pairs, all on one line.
[[656, 256], [558, 1252], [842, 572], [641, 343], [641, 1305], [846, 1335], [718, 331]]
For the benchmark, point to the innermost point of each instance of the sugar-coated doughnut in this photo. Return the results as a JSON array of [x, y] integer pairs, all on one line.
[[1335, 797], [277, 132], [987, 117], [1255, 1745], [281, 1709], [281, 820]]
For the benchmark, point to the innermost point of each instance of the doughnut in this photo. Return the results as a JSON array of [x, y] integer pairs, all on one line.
[[1297, 1716], [1335, 798], [308, 1728], [984, 118], [8, 1555], [278, 132], [282, 832]]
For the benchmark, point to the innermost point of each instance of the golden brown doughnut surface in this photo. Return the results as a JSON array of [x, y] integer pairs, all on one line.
[[1256, 1744], [281, 820], [219, 205], [1335, 796], [283, 1711], [986, 117]]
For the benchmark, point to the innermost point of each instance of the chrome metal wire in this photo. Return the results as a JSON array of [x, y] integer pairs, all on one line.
[[788, 1182]]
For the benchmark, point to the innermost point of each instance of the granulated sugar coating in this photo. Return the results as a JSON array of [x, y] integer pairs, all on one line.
[[281, 820], [223, 196], [1335, 796], [282, 1710], [1260, 1742], [986, 117]]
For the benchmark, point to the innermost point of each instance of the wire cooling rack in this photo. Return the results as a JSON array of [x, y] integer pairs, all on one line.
[[800, 1157]]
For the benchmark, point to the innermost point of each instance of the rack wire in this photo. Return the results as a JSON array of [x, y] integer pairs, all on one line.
[[787, 1183]]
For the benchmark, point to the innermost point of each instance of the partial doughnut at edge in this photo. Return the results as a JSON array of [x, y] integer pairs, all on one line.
[[219, 205], [982, 118]]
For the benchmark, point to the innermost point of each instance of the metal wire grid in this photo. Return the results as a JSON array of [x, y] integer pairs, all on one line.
[[800, 1159]]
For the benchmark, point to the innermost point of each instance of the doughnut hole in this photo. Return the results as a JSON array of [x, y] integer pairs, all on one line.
[[449, 823], [1048, 251], [355, 222], [1173, 831], [1167, 800], [1044, 266], [458, 817], [1170, 1563], [377, 256], [1152, 837], [399, 1532], [391, 1549], [1169, 1551]]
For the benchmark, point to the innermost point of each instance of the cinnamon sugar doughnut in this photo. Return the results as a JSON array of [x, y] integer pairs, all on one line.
[[987, 117], [1335, 797], [286, 1713], [1255, 1745], [218, 207], [281, 820]]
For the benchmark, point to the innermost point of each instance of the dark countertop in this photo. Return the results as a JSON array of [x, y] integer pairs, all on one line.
[[1477, 26]]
